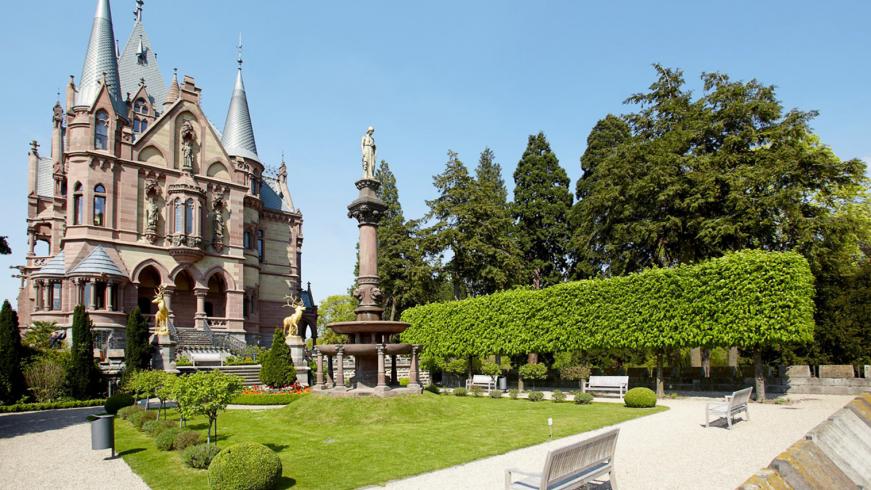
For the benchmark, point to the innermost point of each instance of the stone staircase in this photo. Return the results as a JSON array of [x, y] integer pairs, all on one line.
[[250, 374], [190, 337]]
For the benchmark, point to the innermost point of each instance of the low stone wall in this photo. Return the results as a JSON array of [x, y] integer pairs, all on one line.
[[835, 454], [403, 365]]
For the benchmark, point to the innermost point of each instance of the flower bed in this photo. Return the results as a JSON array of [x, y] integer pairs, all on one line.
[[270, 396]]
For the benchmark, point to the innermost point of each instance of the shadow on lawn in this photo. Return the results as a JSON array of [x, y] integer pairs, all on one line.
[[131, 451], [286, 482]]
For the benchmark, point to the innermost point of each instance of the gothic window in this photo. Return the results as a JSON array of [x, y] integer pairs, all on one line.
[[246, 240], [260, 245], [136, 127], [140, 107], [179, 216], [101, 131], [56, 296], [99, 205], [143, 125], [78, 204], [189, 217], [86, 295], [253, 184]]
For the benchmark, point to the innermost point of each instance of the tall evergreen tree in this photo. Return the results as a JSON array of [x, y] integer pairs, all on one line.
[[83, 375], [12, 386], [492, 242], [542, 201], [137, 351], [278, 370], [406, 278]]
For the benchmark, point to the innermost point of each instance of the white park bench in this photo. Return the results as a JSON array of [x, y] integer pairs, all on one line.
[[608, 383], [571, 466], [731, 406], [481, 380], [205, 357]]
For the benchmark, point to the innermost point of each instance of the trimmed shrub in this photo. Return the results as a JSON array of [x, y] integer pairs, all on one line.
[[495, 394], [126, 412], [199, 456], [245, 466], [186, 439], [582, 398], [579, 373], [403, 382], [165, 441], [476, 391], [557, 396], [29, 407], [459, 392], [277, 368], [45, 376], [140, 418], [433, 389], [640, 398], [155, 427], [535, 396], [513, 393], [117, 402]]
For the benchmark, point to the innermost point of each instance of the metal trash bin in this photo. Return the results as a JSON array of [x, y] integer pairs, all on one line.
[[103, 433], [503, 383]]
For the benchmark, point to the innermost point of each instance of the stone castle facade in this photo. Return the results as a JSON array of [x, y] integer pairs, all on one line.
[[140, 190]]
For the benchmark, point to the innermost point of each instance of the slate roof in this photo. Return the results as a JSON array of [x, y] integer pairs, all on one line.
[[45, 177], [53, 267], [132, 67], [101, 59], [97, 262], [272, 196], [238, 134]]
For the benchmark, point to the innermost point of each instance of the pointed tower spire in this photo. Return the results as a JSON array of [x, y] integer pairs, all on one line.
[[238, 135], [100, 59], [172, 93]]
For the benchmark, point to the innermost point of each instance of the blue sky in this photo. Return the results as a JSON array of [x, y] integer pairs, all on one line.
[[430, 77]]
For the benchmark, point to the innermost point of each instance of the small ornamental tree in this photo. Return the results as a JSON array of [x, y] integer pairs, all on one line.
[[207, 393], [11, 377], [491, 369], [137, 351], [83, 374], [533, 372], [277, 367], [578, 373]]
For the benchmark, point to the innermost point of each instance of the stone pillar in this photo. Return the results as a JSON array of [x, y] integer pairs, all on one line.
[[393, 375], [92, 298], [340, 374], [46, 297], [77, 291], [37, 305], [733, 357], [319, 375], [107, 296], [367, 209], [328, 371], [167, 300], [412, 370], [382, 385], [200, 318]]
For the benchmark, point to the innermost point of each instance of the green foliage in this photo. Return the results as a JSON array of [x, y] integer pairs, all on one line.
[[12, 386], [165, 440], [533, 372], [29, 407], [513, 393], [403, 382], [541, 205], [640, 398], [433, 389], [476, 390], [38, 336], [83, 375], [117, 402], [139, 419], [186, 439], [495, 393], [582, 398], [45, 375], [270, 399], [575, 373], [126, 412], [558, 396], [277, 369], [490, 368], [457, 366], [183, 361], [137, 350], [206, 393], [535, 396], [336, 308], [245, 466], [200, 456], [747, 299], [459, 391], [155, 427]]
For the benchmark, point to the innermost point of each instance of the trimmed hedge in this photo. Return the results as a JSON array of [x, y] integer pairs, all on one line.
[[200, 456], [745, 299], [28, 407], [245, 466], [117, 402], [165, 441], [582, 398], [640, 398], [186, 439], [278, 399]]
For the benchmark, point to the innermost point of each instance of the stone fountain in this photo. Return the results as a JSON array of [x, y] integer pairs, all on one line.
[[370, 337]]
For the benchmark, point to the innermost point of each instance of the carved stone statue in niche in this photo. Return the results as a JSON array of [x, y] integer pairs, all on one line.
[[152, 211], [219, 223], [187, 146]]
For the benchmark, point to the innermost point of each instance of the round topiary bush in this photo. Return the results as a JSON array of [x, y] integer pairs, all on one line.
[[582, 398], [200, 456], [459, 392], [558, 396], [535, 396], [640, 398], [246, 465], [117, 402], [165, 441], [186, 439]]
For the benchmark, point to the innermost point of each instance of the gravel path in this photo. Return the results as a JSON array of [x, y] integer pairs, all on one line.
[[670, 450], [52, 449]]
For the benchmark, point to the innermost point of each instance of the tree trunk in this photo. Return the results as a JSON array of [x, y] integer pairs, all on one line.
[[532, 358], [660, 386], [760, 375]]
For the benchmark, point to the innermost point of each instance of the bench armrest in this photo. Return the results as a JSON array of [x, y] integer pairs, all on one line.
[[511, 471]]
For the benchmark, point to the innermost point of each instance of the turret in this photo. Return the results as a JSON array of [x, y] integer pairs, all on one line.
[[101, 63], [238, 134]]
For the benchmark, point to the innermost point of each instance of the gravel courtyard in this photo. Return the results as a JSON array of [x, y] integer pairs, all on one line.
[[671, 450]]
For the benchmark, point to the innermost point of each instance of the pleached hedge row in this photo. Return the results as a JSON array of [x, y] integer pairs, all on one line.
[[745, 299]]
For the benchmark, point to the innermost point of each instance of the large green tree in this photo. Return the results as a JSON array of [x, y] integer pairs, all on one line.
[[406, 278], [137, 350], [11, 377], [335, 308], [541, 204], [83, 375]]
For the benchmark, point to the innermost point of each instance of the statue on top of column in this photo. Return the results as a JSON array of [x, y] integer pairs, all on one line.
[[367, 147]]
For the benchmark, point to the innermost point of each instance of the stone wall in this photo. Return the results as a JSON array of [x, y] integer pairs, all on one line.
[[403, 364], [829, 380]]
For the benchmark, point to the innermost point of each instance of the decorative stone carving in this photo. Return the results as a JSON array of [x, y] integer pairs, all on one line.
[[367, 147], [152, 213], [219, 224], [187, 146]]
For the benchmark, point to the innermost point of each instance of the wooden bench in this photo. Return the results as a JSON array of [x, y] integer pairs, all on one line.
[[202, 357], [571, 466], [481, 380], [731, 406], [608, 383]]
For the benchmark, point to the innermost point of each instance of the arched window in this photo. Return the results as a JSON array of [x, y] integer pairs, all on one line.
[[136, 128], [260, 245], [246, 240], [99, 205], [179, 216], [143, 125], [101, 131], [189, 217], [78, 204], [140, 106]]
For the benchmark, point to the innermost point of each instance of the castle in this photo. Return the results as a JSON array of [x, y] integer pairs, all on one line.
[[141, 191]]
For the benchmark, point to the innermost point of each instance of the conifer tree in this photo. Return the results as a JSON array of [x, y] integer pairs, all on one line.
[[541, 205], [83, 375], [277, 367], [137, 351], [11, 378]]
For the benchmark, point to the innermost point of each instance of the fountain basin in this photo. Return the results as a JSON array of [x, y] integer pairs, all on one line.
[[373, 326]]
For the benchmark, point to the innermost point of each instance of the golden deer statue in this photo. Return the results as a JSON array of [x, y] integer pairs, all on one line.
[[291, 322], [161, 319]]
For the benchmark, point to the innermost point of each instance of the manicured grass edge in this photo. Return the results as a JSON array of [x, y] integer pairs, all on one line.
[[280, 399]]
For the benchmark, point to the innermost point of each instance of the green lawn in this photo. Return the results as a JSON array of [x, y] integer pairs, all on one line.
[[350, 442]]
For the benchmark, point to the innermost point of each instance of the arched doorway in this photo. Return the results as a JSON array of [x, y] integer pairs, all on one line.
[[184, 304], [216, 298], [149, 280]]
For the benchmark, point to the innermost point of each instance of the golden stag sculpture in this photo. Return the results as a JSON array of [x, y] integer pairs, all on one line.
[[161, 319], [291, 322]]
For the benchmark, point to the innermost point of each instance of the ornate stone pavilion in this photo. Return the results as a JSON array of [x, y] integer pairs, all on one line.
[[139, 190]]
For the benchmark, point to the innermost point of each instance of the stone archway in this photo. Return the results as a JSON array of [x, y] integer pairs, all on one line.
[[184, 303], [149, 279]]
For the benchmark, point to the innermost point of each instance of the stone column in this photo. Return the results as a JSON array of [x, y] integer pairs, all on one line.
[[200, 318], [340, 374], [77, 292], [92, 298], [381, 384], [167, 301], [38, 304], [367, 209], [412, 370], [107, 296], [393, 375], [319, 375], [328, 372]]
